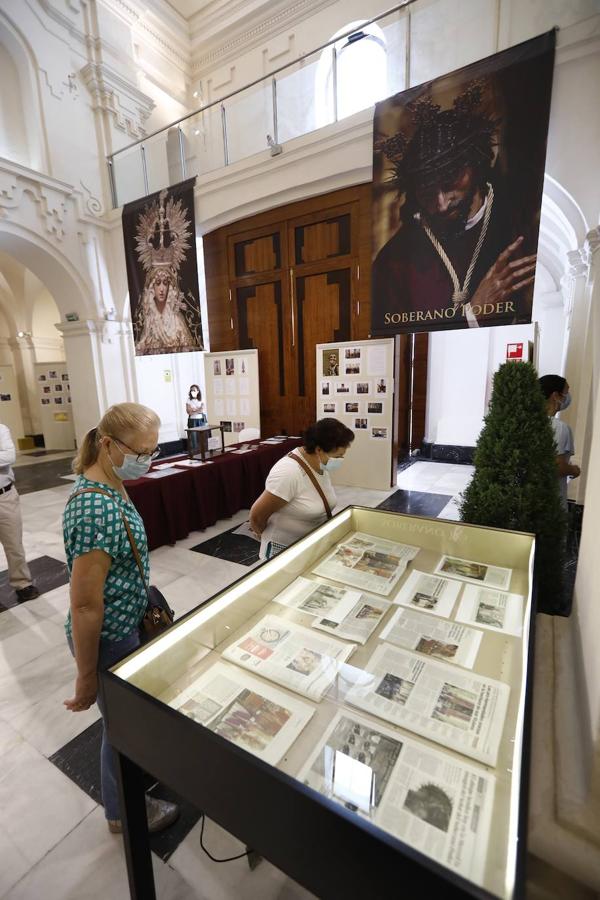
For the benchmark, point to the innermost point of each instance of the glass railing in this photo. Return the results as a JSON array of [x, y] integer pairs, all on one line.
[[332, 82]]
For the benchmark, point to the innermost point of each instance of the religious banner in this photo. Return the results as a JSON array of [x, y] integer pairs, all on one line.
[[458, 173], [160, 253]]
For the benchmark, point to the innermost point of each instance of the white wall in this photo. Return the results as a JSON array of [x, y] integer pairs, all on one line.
[[163, 385]]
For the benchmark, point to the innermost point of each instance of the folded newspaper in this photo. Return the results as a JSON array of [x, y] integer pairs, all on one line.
[[475, 572], [367, 562], [493, 610], [443, 640], [245, 710], [429, 593], [341, 611], [453, 707], [291, 655], [439, 805]]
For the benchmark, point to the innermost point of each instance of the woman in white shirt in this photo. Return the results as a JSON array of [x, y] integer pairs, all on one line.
[[195, 410], [291, 505]]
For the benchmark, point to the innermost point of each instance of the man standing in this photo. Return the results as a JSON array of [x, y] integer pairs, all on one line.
[[11, 525], [457, 258]]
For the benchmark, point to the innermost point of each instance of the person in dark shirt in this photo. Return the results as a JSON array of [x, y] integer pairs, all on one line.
[[456, 256]]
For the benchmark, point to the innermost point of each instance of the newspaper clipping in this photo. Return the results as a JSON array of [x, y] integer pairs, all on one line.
[[493, 610], [456, 708], [475, 572], [429, 593], [438, 805], [447, 641], [291, 655], [246, 711], [348, 614], [367, 562]]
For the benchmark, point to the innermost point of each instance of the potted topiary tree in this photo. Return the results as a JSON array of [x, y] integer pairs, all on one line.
[[515, 484]]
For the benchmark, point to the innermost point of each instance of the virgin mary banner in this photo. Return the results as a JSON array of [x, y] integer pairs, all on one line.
[[160, 253], [458, 172]]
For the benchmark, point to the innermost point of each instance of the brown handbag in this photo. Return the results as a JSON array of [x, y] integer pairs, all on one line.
[[158, 615], [316, 484]]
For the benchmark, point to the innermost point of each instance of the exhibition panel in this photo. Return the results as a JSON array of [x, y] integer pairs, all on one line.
[[371, 683]]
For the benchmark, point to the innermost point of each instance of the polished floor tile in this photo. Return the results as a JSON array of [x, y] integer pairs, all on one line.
[[415, 503], [47, 573]]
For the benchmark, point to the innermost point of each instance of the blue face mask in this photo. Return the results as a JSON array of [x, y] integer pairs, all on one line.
[[333, 463], [566, 401], [131, 467]]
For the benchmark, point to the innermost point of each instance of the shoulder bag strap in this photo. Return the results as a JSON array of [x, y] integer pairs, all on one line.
[[134, 549], [316, 484]]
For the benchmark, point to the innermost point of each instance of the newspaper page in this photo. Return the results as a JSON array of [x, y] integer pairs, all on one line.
[[475, 572], [291, 655], [429, 593], [437, 804], [447, 641], [456, 708], [493, 610], [347, 614], [250, 713], [367, 562]]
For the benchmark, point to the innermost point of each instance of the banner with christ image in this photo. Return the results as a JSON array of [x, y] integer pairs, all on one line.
[[160, 254], [458, 172]]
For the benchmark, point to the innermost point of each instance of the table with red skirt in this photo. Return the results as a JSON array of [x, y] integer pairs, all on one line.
[[195, 498]]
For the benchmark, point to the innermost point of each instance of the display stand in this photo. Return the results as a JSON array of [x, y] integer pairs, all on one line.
[[409, 832], [231, 391], [356, 384], [54, 397]]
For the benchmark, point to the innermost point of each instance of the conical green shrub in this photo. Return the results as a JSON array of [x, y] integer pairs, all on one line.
[[515, 484]]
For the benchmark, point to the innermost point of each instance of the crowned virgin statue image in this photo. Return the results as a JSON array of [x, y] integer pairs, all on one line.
[[167, 320]]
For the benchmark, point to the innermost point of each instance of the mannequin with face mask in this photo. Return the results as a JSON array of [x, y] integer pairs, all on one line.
[[290, 506], [556, 392], [108, 597]]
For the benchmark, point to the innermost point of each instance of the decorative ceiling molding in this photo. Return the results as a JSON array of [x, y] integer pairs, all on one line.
[[112, 93], [231, 40]]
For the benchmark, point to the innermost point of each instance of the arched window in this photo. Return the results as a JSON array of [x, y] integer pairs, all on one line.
[[360, 73]]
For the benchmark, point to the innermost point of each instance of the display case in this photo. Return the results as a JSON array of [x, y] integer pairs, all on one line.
[[356, 710]]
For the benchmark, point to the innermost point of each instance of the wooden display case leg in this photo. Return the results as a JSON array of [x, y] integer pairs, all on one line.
[[135, 829]]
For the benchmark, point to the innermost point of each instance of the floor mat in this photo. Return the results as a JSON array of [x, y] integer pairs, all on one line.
[[238, 548], [416, 503], [47, 574], [79, 760]]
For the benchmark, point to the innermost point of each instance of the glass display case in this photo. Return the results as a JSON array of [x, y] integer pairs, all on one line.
[[356, 710]]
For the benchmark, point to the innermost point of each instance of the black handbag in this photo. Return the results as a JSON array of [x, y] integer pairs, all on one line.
[[158, 615]]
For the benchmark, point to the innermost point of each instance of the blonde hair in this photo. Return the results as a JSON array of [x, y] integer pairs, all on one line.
[[117, 421]]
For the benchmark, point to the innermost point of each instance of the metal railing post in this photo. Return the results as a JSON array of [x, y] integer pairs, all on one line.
[[111, 182], [224, 127], [275, 122], [182, 153], [334, 82], [144, 170]]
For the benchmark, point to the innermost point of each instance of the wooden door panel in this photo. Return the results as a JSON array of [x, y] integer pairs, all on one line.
[[256, 255], [322, 240], [261, 326], [323, 314]]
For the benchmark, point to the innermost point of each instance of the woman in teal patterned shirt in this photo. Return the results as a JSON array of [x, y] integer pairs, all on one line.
[[108, 597]]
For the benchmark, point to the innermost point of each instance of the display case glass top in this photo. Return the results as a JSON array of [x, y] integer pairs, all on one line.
[[382, 662]]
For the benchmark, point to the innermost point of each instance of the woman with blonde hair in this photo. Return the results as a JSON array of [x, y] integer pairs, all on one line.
[[108, 596]]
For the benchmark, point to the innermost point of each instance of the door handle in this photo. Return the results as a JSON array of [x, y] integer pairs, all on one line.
[[293, 318]]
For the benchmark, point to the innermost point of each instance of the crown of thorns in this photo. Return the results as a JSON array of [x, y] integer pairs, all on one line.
[[443, 139]]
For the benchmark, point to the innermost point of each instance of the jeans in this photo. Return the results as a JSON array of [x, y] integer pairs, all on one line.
[[109, 653]]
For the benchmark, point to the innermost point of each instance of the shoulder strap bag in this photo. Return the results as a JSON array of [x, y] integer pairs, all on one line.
[[158, 615], [304, 465]]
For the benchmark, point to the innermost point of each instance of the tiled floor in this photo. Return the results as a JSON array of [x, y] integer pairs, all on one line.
[[53, 840]]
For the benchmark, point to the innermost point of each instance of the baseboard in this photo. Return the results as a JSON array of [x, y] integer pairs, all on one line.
[[452, 453]]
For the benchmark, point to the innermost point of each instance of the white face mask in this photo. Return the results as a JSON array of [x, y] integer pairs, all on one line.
[[131, 467], [566, 401], [194, 393], [333, 463]]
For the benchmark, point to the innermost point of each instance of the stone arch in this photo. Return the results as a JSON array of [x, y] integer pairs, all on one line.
[[52, 268], [19, 53]]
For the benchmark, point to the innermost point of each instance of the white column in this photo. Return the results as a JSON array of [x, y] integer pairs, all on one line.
[[99, 356], [23, 353]]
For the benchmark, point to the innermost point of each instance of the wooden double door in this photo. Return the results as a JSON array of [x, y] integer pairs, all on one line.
[[296, 276]]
